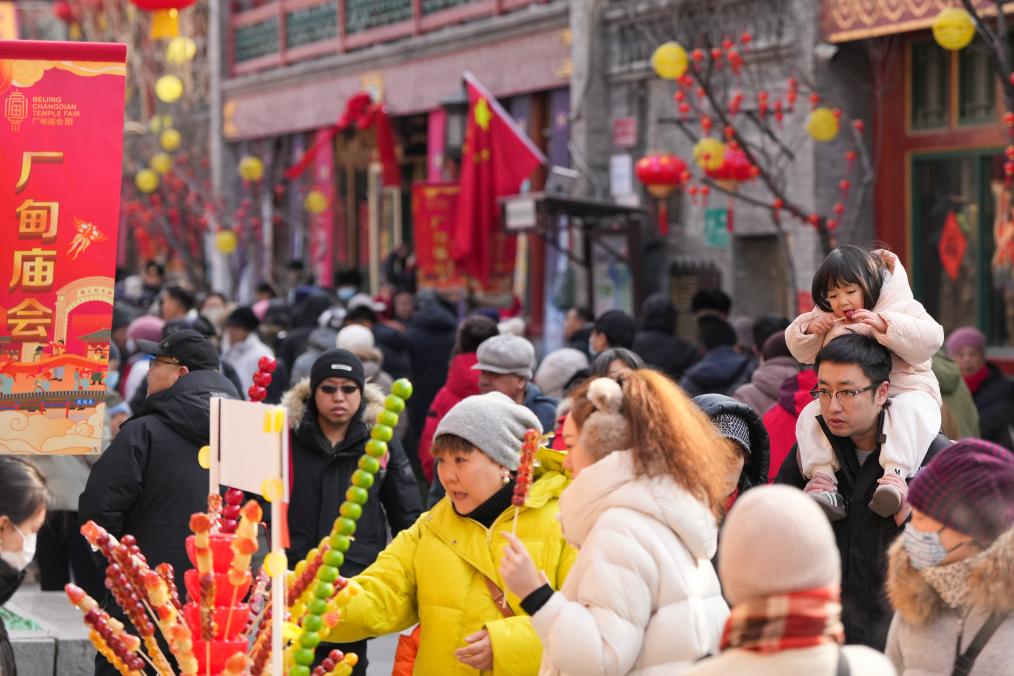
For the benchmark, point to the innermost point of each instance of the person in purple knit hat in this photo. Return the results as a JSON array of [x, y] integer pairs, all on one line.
[[951, 573]]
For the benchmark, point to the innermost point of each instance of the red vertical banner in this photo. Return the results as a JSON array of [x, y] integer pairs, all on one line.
[[61, 146], [322, 224], [434, 211]]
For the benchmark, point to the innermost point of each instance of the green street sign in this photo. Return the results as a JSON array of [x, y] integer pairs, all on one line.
[[716, 227]]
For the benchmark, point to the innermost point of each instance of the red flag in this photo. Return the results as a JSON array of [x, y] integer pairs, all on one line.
[[496, 158]]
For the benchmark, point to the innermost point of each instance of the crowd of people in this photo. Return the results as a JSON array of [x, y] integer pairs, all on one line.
[[649, 539]]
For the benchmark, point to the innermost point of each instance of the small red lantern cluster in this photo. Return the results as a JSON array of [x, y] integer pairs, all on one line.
[[662, 174], [259, 390]]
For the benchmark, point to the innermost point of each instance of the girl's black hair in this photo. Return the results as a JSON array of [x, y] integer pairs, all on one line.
[[23, 489], [848, 265]]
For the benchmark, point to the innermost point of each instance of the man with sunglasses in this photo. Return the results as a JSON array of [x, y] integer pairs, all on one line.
[[148, 482], [330, 415], [852, 386]]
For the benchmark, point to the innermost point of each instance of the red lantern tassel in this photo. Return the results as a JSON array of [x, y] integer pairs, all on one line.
[[663, 218]]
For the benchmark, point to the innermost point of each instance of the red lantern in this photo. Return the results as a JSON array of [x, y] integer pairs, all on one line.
[[735, 169], [165, 20], [64, 12], [661, 174]]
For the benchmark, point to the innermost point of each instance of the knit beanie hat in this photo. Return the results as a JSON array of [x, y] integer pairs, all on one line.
[[966, 336], [355, 338], [493, 423], [734, 427], [969, 487], [336, 364], [557, 368], [776, 540], [146, 327]]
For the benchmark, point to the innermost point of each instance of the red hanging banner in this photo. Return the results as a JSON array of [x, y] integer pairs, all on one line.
[[434, 211], [61, 144], [952, 246]]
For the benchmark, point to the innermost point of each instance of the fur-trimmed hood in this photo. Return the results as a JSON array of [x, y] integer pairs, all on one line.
[[296, 399], [991, 583]]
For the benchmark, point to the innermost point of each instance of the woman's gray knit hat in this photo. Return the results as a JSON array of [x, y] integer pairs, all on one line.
[[493, 423]]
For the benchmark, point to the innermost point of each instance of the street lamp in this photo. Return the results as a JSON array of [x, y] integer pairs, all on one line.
[[455, 117]]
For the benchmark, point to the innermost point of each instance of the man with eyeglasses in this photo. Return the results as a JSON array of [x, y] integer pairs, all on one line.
[[852, 386], [148, 482], [330, 415]]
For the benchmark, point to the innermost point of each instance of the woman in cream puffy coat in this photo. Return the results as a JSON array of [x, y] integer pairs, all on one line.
[[643, 596]]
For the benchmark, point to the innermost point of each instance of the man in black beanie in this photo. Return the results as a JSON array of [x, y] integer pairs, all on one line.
[[331, 415]]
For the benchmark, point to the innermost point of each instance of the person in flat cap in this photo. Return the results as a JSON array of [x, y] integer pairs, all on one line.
[[442, 573], [331, 414], [148, 481], [506, 364]]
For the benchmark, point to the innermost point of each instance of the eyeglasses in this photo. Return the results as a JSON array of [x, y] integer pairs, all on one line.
[[347, 390], [168, 362], [843, 396]]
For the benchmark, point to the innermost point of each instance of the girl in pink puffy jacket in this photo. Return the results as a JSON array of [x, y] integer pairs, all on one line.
[[858, 291]]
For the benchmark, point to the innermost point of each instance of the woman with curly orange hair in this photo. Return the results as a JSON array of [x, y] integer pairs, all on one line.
[[649, 480]]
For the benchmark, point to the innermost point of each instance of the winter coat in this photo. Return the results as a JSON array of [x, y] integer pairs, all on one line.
[[657, 343], [925, 630], [862, 537], [913, 336], [10, 580], [245, 356], [395, 347], [430, 337], [579, 340], [148, 482], [995, 401], [780, 419], [433, 574], [321, 339], [761, 392], [462, 382], [959, 406], [721, 371], [821, 660], [66, 476], [642, 597], [755, 469], [320, 475], [542, 406]]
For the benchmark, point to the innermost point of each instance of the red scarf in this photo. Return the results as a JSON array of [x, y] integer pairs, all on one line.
[[976, 380], [770, 624]]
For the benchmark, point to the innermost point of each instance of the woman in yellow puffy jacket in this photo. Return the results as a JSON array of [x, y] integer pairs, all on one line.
[[442, 573]]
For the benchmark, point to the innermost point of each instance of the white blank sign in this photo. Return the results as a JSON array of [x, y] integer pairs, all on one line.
[[246, 455]]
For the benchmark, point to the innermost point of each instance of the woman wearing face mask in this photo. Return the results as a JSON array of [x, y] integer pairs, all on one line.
[[951, 573], [23, 498], [642, 597]]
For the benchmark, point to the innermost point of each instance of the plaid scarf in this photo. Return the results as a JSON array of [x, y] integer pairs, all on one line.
[[771, 624]]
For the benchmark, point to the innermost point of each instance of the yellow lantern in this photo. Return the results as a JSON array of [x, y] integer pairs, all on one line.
[[669, 61], [953, 29], [315, 202], [709, 153], [155, 124], [225, 242], [170, 140], [180, 50], [161, 163], [822, 124], [146, 181], [251, 169], [169, 88]]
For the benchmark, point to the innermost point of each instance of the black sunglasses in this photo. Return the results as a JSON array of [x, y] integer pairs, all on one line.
[[345, 389]]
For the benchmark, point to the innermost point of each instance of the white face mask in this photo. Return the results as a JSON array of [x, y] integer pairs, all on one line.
[[20, 560]]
